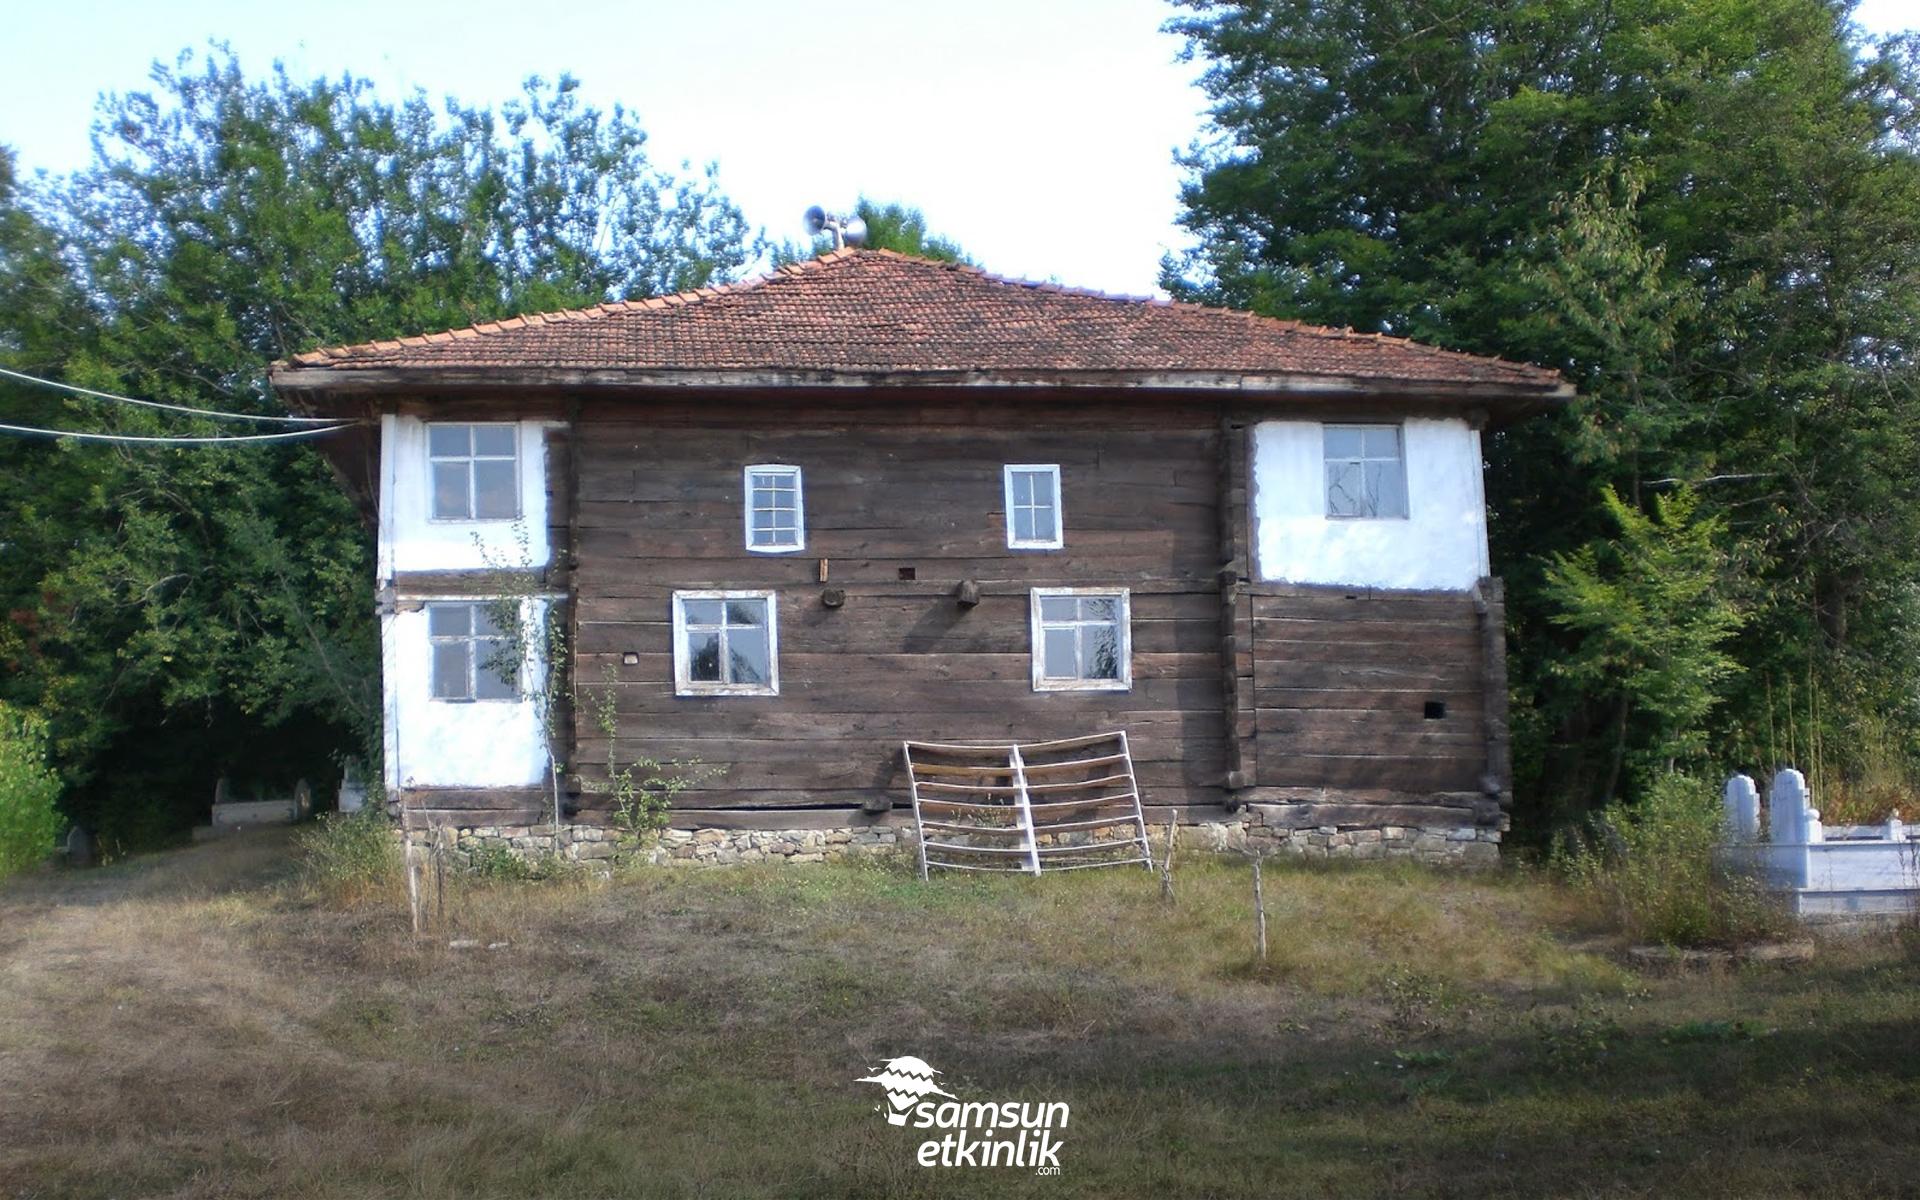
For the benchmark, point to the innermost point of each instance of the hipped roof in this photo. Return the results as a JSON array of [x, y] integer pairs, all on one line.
[[876, 318]]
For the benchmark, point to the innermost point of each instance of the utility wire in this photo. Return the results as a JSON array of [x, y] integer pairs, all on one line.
[[198, 412], [287, 435]]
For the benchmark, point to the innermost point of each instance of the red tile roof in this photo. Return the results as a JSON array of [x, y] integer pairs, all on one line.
[[871, 312]]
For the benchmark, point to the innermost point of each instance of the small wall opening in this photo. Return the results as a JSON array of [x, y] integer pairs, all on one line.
[[1436, 710], [908, 573]]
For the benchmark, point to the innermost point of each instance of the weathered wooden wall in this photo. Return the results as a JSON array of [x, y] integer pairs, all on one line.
[[892, 488], [1342, 685]]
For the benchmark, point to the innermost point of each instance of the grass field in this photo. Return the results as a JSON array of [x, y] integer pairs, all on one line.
[[198, 1023]]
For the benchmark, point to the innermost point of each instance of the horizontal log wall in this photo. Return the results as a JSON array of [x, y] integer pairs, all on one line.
[[1341, 688], [887, 487]]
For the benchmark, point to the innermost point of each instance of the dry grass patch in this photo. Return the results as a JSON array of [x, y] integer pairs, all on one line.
[[211, 1023]]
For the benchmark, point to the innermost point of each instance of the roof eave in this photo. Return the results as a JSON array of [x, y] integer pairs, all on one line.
[[363, 381]]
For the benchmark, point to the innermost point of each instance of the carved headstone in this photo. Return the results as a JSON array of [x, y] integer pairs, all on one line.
[[1792, 819], [1741, 807]]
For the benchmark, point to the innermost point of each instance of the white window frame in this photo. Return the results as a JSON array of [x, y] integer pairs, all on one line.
[[683, 682], [470, 458], [799, 506], [1400, 443], [474, 662], [1044, 683], [1059, 539]]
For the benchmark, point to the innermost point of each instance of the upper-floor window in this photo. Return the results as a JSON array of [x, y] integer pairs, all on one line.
[[473, 659], [1366, 471], [1033, 506], [476, 471], [776, 510], [725, 644], [1082, 640]]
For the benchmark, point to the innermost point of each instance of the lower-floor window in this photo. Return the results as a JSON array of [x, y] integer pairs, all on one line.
[[473, 658], [725, 644], [1081, 640]]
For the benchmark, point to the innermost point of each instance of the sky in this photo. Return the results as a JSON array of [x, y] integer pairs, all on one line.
[[1039, 134]]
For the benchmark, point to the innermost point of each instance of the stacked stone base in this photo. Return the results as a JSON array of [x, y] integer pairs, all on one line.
[[719, 847], [1266, 830]]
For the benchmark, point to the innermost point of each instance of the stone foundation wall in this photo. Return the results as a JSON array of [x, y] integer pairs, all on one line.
[[1267, 830]]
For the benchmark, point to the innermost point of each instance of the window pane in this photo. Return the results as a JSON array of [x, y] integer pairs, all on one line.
[[703, 657], [493, 496], [1057, 660], [498, 677], [747, 660], [1099, 608], [747, 612], [780, 519], [450, 670], [450, 491], [1059, 608], [1387, 488], [1381, 443], [493, 440], [1023, 487], [445, 440], [1102, 652], [1343, 441], [701, 612], [1345, 490], [1024, 525], [449, 620]]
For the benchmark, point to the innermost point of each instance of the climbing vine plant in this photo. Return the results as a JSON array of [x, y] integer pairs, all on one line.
[[534, 648]]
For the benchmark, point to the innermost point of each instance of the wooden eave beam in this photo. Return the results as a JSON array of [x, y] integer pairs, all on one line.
[[332, 386]]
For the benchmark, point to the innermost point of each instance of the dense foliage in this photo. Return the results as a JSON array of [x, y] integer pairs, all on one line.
[[1650, 870], [177, 613], [29, 823], [1707, 214]]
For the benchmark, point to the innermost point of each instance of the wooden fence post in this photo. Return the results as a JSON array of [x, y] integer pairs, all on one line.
[[413, 883], [1166, 868], [1259, 911]]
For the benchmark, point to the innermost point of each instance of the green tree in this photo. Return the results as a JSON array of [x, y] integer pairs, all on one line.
[[902, 228], [1653, 619], [1705, 212], [179, 613]]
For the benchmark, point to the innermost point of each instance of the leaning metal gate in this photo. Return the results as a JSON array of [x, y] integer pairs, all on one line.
[[1027, 807]]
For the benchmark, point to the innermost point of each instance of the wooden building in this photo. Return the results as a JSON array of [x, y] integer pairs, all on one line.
[[792, 522]]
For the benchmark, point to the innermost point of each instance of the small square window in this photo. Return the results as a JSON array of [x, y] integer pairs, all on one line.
[[1082, 640], [1034, 521], [475, 471], [1366, 471], [473, 658], [776, 510], [725, 644]]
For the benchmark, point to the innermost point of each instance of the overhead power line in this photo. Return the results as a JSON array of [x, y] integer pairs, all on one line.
[[283, 436], [212, 413]]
